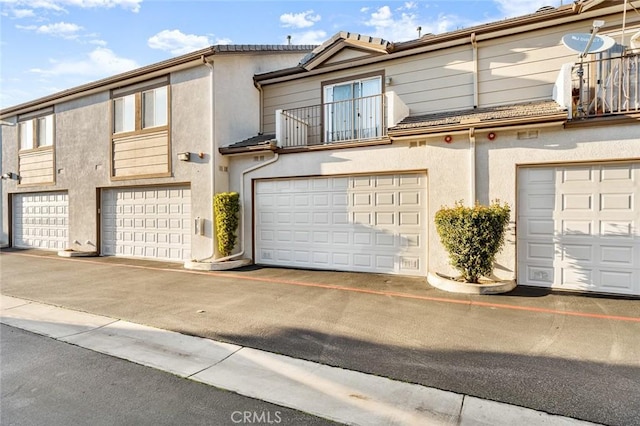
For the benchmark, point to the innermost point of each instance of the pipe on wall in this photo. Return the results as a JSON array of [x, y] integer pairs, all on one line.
[[212, 142], [474, 44], [242, 210], [472, 166]]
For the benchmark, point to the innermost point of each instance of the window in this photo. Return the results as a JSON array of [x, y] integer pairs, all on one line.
[[140, 108], [154, 107], [124, 114], [353, 109], [36, 132]]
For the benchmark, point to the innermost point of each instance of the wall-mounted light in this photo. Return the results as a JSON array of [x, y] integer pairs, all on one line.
[[388, 81], [10, 175], [491, 136], [448, 139], [184, 156]]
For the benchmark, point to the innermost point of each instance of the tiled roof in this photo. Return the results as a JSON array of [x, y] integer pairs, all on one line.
[[224, 48], [255, 143], [480, 116], [348, 36]]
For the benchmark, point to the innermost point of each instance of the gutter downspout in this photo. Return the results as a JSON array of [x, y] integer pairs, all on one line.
[[260, 103], [212, 141], [242, 210], [472, 166], [474, 43]]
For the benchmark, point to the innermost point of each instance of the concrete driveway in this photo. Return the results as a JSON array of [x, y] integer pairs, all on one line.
[[573, 355]]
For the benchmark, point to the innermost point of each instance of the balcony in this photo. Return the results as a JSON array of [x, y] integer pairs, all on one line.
[[607, 86], [352, 120]]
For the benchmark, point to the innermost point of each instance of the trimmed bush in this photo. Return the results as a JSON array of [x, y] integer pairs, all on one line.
[[473, 236], [226, 206]]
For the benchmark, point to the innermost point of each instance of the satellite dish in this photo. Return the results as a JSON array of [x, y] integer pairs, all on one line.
[[578, 42]]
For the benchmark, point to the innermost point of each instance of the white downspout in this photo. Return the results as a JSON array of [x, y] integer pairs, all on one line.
[[474, 44], [212, 142], [242, 210], [472, 166], [260, 103]]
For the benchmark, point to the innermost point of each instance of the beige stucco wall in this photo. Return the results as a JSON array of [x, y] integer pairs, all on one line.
[[82, 143], [447, 167]]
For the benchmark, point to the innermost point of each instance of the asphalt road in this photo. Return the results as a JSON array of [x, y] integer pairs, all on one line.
[[46, 382], [571, 355]]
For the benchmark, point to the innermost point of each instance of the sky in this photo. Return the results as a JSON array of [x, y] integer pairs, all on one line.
[[47, 46]]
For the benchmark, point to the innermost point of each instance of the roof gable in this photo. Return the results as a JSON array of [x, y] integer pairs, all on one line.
[[343, 47]]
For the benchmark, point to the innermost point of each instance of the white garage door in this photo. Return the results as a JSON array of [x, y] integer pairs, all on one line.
[[147, 222], [41, 220], [349, 223], [579, 227]]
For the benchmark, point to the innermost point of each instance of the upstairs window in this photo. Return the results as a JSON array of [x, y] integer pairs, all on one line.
[[154, 107], [353, 109], [36, 132], [141, 106]]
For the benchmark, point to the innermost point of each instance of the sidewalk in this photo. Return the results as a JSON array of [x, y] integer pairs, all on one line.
[[333, 393]]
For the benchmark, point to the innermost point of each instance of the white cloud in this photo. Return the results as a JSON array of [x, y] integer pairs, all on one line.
[[100, 62], [404, 25], [223, 41], [309, 37], [409, 5], [511, 8], [299, 20], [23, 13], [59, 29], [61, 5], [178, 43], [98, 42]]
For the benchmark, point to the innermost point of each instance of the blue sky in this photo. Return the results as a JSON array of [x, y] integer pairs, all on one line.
[[52, 45]]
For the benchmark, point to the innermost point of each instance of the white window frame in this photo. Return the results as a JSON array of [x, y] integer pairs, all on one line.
[[358, 109], [129, 110], [33, 136]]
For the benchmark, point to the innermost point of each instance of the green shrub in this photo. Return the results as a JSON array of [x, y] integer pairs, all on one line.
[[473, 236], [226, 206]]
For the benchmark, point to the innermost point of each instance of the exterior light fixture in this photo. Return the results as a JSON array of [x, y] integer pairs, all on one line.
[[491, 136], [10, 176], [184, 156], [448, 139]]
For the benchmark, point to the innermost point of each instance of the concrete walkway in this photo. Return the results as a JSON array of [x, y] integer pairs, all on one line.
[[333, 393]]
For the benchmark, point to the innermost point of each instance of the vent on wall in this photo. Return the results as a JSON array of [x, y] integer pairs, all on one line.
[[258, 158], [528, 134]]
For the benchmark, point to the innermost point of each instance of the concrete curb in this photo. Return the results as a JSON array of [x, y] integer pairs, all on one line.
[[334, 393], [217, 266], [454, 286], [77, 253]]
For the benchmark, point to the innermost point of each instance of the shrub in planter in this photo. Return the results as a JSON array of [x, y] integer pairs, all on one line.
[[226, 206], [473, 236]]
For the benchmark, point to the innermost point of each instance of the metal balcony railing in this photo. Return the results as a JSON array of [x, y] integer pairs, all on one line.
[[333, 122], [606, 86]]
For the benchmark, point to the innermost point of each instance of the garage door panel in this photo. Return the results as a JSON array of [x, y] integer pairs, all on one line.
[[591, 233], [148, 222], [361, 223], [41, 220]]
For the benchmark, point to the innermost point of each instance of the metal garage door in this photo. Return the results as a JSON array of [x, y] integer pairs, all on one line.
[[578, 227], [41, 220], [149, 222], [351, 223]]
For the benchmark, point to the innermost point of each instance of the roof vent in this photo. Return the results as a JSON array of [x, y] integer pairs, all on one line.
[[545, 9]]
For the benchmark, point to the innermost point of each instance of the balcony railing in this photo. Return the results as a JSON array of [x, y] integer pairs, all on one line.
[[333, 122], [606, 86]]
